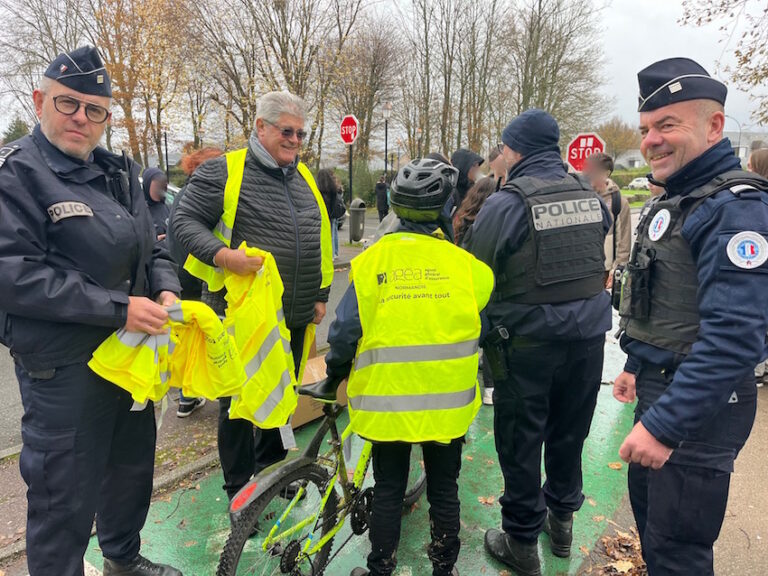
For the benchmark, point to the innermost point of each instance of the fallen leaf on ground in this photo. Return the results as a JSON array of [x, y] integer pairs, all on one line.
[[615, 466], [584, 550], [622, 566], [189, 543], [487, 500], [470, 458], [591, 502], [598, 518]]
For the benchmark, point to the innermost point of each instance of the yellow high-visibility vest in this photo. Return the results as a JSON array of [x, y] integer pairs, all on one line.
[[223, 231], [414, 377], [196, 355], [255, 318]]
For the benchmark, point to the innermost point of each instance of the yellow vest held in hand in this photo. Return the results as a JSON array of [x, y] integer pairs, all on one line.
[[414, 377], [213, 276], [198, 356], [255, 318], [204, 359]]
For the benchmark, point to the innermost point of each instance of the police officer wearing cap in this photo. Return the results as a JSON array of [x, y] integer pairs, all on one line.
[[543, 235], [79, 260], [694, 313]]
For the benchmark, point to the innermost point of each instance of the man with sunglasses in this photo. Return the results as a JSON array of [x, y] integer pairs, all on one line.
[[79, 260], [278, 209]]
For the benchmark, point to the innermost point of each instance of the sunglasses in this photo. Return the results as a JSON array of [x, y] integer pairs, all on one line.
[[69, 106], [288, 133]]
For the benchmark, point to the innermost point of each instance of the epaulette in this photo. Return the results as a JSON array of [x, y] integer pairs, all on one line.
[[6, 151]]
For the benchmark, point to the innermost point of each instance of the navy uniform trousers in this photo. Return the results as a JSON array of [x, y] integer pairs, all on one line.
[[548, 399], [245, 450], [679, 509], [84, 453]]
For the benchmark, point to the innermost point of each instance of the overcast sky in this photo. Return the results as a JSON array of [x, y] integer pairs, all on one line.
[[637, 33]]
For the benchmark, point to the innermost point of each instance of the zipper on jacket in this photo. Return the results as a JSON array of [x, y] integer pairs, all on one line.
[[298, 248]]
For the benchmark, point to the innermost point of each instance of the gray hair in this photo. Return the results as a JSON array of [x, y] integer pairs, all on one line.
[[272, 105]]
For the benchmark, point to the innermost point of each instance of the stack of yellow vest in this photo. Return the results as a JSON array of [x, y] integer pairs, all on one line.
[[248, 356], [196, 355]]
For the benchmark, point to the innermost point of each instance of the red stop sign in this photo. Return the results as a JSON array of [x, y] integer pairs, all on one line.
[[349, 129], [582, 147]]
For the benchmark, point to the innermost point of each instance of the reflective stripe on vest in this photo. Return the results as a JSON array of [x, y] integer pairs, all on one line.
[[214, 277], [414, 378], [411, 403], [274, 398], [425, 353]]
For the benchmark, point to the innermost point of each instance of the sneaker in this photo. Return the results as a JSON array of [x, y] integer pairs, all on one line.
[[560, 531], [359, 572], [488, 396], [187, 408], [522, 557], [139, 566]]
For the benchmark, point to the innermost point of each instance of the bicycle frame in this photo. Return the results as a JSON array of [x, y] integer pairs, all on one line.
[[349, 489]]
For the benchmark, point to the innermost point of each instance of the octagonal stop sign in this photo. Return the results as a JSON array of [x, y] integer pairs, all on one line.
[[349, 129], [582, 147]]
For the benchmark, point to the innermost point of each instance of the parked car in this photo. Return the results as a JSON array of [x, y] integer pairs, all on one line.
[[640, 183]]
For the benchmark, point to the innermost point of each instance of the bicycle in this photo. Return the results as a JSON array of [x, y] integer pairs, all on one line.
[[286, 518]]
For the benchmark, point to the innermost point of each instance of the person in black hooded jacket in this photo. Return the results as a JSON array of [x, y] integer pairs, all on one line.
[[468, 164], [155, 185]]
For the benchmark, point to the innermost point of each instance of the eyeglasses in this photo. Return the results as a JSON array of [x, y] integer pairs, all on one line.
[[288, 133], [69, 106]]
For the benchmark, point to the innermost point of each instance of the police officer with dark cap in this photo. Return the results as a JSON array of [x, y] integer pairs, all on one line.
[[543, 235], [79, 260], [694, 311]]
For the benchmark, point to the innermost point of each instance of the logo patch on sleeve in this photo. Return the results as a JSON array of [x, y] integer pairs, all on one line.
[[659, 224], [62, 210], [748, 250]]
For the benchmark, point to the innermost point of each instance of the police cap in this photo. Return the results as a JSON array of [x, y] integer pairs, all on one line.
[[81, 70], [676, 80]]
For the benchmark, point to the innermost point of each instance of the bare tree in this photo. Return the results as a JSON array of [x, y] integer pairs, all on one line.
[[34, 32], [367, 66], [552, 63], [619, 136], [751, 70]]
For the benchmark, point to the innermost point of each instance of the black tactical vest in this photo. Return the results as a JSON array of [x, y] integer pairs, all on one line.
[[563, 258], [659, 294]]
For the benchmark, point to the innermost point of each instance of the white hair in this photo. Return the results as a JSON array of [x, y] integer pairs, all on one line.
[[272, 105]]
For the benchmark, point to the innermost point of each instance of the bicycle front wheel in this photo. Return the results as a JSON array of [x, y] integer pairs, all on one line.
[[417, 479], [278, 534]]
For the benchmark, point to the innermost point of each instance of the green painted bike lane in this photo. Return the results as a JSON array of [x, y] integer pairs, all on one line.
[[188, 528]]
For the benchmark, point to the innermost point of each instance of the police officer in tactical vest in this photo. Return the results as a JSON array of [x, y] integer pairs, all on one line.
[[79, 260], [543, 235], [407, 332], [694, 309]]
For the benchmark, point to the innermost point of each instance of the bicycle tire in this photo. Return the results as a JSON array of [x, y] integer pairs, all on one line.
[[417, 483], [242, 531]]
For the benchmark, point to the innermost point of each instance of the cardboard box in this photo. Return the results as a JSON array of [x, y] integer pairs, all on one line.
[[309, 409]]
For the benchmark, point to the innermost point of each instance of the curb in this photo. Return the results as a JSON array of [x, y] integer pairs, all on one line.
[[8, 452], [158, 485]]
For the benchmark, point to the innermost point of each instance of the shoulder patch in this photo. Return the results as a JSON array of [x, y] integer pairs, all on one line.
[[748, 250], [6, 151]]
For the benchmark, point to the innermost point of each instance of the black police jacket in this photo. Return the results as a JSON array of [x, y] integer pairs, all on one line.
[[76, 239]]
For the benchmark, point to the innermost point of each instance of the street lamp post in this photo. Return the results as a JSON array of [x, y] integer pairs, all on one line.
[[738, 144], [387, 112]]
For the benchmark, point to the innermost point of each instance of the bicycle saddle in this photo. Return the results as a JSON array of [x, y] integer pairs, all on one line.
[[324, 391]]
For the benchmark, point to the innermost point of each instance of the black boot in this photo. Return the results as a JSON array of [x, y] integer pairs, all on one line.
[[521, 557], [560, 530], [139, 566]]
